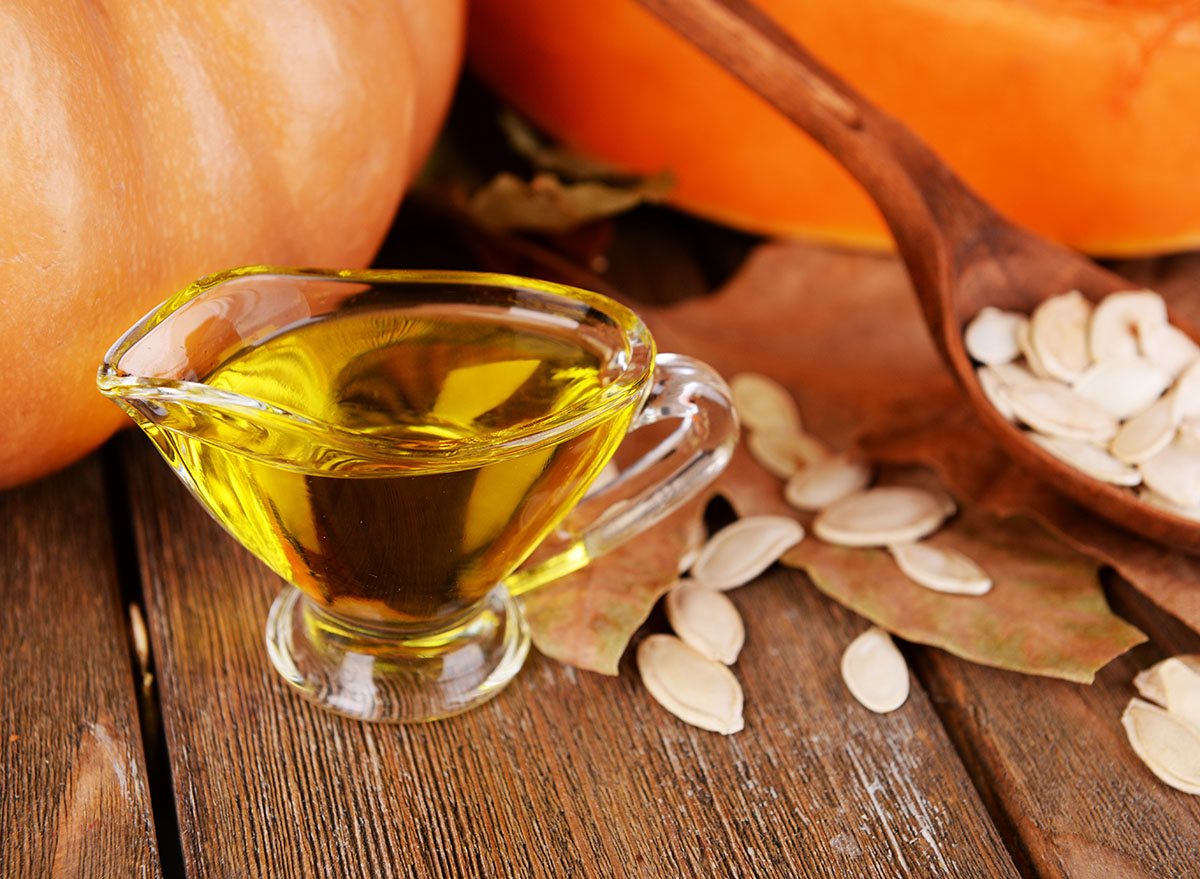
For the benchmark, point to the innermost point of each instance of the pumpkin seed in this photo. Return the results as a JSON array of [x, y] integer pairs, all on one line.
[[739, 552], [819, 485], [1149, 681], [1175, 474], [1149, 432], [991, 336], [1058, 331], [875, 672], [879, 516], [940, 568], [1033, 360], [1181, 687], [995, 388], [1014, 373], [783, 452], [706, 620], [1189, 429], [695, 689], [1169, 348], [1089, 459], [763, 404], [1055, 409], [1166, 743], [1124, 386], [1187, 391], [1121, 320]]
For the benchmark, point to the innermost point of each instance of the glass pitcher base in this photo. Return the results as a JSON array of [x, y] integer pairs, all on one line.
[[372, 673]]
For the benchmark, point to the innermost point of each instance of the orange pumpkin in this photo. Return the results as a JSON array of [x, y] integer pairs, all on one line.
[[1071, 116], [147, 144]]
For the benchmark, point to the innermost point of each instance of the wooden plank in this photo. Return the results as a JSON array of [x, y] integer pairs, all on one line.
[[564, 774], [1056, 769], [74, 798]]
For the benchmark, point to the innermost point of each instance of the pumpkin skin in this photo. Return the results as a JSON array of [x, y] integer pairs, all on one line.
[[1071, 116], [145, 145]]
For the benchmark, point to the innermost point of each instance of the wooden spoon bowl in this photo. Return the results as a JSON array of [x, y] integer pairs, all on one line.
[[960, 253]]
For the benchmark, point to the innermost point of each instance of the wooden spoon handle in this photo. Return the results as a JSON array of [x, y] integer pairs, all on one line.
[[924, 204]]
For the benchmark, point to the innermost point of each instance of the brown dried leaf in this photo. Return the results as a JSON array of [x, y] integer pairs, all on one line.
[[555, 158], [546, 204]]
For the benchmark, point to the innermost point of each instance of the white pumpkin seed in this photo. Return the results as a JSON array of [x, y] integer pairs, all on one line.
[[1055, 409], [879, 516], [706, 620], [783, 452], [688, 559], [991, 336], [739, 552], [1189, 429], [1124, 386], [1149, 681], [1175, 474], [1149, 432], [1121, 320], [763, 404], [821, 484], [1014, 373], [1169, 348], [1033, 360], [996, 390], [875, 672], [1166, 743], [1058, 331], [1181, 686], [1187, 391], [695, 689], [940, 568], [1089, 459]]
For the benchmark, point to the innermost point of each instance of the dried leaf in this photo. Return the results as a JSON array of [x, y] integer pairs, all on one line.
[[587, 618], [546, 204], [554, 158], [1046, 613]]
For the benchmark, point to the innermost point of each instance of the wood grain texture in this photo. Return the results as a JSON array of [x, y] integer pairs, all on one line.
[[74, 799], [1056, 768], [564, 774]]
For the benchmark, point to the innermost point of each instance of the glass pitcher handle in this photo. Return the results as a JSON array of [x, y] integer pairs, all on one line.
[[659, 482]]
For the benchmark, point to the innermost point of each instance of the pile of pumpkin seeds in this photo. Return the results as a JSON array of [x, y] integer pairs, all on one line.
[[688, 672], [1164, 727], [1112, 389]]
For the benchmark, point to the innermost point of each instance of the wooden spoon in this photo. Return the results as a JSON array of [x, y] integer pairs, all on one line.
[[960, 253]]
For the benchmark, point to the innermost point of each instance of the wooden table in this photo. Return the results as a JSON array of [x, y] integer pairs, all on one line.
[[194, 758]]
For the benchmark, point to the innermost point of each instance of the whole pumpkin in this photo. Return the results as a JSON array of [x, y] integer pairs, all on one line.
[[1072, 116], [144, 145]]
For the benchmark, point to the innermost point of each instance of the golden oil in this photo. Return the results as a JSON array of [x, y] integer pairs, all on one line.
[[401, 462]]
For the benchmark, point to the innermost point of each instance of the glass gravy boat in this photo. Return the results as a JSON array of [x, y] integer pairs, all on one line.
[[395, 444]]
